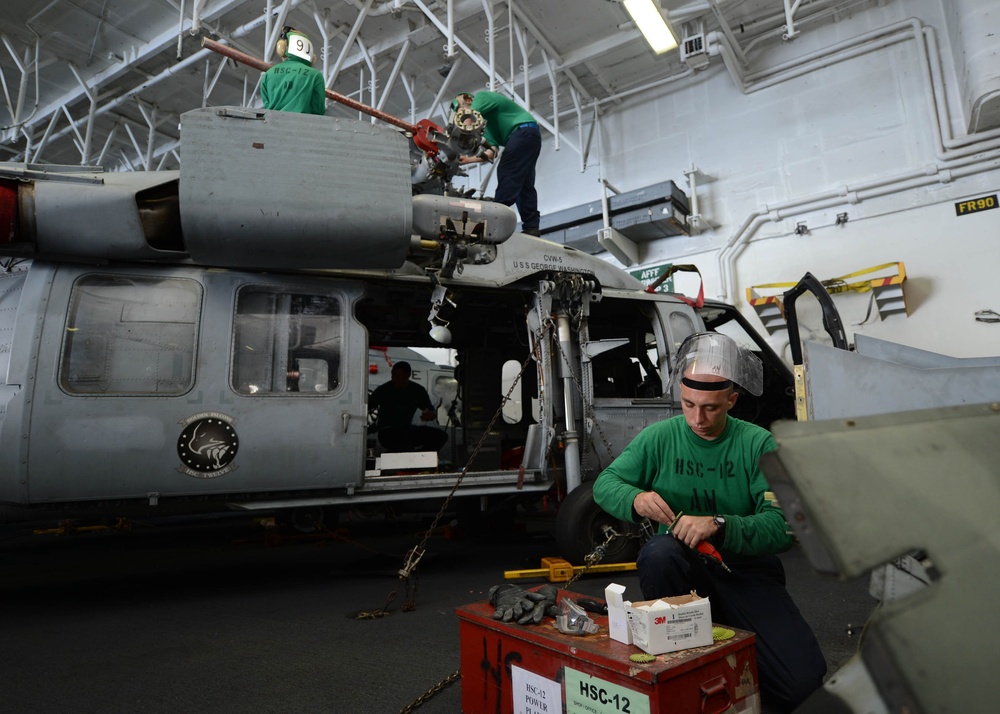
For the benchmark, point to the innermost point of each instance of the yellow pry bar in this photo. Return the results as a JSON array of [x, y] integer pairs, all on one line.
[[557, 570]]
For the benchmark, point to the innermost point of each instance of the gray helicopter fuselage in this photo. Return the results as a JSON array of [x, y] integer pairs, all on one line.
[[201, 340]]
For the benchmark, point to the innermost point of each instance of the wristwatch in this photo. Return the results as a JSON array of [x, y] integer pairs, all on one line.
[[720, 523]]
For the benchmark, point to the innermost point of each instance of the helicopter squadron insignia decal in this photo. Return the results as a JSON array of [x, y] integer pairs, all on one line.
[[207, 445]]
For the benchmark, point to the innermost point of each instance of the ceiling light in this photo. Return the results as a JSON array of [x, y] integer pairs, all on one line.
[[647, 15]]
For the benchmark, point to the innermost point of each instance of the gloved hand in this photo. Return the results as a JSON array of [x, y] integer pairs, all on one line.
[[512, 602]]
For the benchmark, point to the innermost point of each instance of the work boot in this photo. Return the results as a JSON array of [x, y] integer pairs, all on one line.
[[532, 232]]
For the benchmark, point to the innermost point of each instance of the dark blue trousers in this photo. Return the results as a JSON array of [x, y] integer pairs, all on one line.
[[516, 174], [790, 664]]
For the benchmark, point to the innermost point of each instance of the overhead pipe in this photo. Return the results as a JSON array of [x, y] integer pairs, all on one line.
[[539, 37], [491, 41], [790, 11], [908, 180], [196, 7], [948, 144], [151, 136], [510, 44], [168, 73], [180, 31], [408, 88], [135, 145], [209, 85], [15, 113], [348, 43], [28, 158], [949, 151], [107, 144], [519, 33], [394, 74], [555, 98], [483, 65], [325, 37], [88, 139], [275, 24]]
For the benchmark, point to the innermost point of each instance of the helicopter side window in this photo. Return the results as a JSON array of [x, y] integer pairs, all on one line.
[[130, 335], [286, 342], [630, 370]]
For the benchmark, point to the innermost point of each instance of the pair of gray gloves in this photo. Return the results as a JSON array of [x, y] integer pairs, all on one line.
[[512, 602]]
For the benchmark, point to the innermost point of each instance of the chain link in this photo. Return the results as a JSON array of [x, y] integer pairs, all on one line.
[[436, 689], [414, 555]]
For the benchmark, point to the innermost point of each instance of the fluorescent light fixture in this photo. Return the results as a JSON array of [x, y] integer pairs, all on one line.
[[646, 14]]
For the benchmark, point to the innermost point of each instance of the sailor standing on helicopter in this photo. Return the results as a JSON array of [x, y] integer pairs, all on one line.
[[294, 85]]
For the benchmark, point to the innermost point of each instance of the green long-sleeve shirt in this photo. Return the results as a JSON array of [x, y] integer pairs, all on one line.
[[294, 86], [502, 116], [701, 478]]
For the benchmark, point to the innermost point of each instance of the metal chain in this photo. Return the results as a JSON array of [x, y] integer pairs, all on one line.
[[436, 689], [414, 555]]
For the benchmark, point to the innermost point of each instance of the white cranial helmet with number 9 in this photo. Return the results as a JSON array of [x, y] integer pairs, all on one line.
[[295, 43], [714, 355]]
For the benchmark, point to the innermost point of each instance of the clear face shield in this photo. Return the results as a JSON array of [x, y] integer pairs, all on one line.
[[709, 360]]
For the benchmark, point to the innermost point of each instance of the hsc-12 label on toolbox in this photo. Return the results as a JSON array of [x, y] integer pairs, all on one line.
[[533, 693], [586, 694]]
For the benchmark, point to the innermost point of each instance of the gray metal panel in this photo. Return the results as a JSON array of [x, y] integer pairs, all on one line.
[[126, 446], [647, 196], [847, 384], [874, 488], [98, 218], [665, 191], [550, 222], [650, 223], [11, 285], [584, 237], [913, 357], [278, 189]]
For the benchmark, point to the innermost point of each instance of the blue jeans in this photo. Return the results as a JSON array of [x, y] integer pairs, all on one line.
[[516, 174], [753, 597]]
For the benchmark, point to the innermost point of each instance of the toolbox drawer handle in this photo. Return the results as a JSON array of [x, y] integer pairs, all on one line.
[[714, 696]]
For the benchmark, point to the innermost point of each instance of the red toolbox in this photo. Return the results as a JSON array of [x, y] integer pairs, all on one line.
[[535, 669]]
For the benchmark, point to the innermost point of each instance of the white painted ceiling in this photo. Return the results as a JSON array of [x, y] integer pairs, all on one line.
[[105, 81]]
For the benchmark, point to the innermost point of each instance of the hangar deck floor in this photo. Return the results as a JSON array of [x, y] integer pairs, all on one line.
[[211, 618]]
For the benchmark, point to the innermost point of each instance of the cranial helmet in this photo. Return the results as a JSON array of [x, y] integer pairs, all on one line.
[[721, 360], [454, 102], [295, 43]]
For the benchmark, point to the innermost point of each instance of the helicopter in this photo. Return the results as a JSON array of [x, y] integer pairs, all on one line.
[[197, 341]]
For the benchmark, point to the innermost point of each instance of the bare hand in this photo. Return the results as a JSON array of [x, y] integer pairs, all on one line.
[[692, 530], [427, 415], [651, 505]]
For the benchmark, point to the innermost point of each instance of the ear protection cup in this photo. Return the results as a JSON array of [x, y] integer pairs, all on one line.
[[282, 45]]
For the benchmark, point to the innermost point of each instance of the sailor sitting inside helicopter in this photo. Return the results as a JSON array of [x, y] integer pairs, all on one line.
[[396, 401]]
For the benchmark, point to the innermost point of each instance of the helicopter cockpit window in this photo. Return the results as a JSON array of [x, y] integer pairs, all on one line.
[[130, 335], [286, 342], [625, 363]]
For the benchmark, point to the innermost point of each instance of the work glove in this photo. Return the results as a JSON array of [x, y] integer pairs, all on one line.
[[512, 602]]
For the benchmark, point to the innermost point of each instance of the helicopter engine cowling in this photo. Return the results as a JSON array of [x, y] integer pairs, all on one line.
[[257, 189]]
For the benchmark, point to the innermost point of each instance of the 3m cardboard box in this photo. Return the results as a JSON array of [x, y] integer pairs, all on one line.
[[671, 623]]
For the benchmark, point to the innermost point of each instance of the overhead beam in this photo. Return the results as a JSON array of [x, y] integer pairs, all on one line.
[[154, 47]]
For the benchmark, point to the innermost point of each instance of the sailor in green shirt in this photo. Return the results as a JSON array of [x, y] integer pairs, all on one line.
[[510, 125], [294, 85], [704, 464]]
